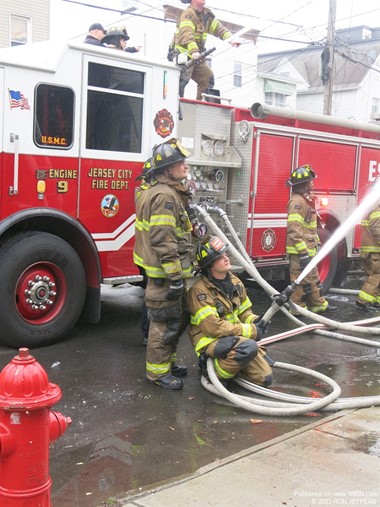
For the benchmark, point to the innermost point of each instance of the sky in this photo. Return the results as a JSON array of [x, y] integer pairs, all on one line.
[[283, 24]]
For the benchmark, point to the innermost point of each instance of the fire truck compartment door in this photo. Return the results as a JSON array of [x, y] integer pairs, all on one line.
[[1, 122], [1, 107]]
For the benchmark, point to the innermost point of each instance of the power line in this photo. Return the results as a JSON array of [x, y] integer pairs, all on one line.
[[120, 11], [310, 44]]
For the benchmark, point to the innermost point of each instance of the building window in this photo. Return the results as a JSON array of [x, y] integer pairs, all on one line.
[[238, 74], [275, 99], [19, 30], [375, 109], [277, 91]]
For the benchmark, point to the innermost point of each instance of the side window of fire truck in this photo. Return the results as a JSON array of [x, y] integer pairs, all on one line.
[[54, 117], [114, 108]]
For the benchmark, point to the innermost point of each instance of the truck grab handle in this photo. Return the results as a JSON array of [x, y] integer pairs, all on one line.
[[14, 138]]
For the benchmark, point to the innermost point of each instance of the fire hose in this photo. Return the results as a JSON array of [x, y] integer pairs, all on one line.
[[288, 404], [279, 299]]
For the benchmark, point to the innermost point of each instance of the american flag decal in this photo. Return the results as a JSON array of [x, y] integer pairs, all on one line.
[[17, 99]]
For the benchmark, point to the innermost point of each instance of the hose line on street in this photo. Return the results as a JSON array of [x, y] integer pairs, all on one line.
[[287, 404], [251, 405]]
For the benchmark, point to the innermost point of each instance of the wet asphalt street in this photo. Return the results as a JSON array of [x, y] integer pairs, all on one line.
[[127, 434]]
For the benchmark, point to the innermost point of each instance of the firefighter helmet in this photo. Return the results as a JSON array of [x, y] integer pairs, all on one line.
[[148, 166], [114, 35], [168, 153], [124, 30], [210, 250], [301, 174]]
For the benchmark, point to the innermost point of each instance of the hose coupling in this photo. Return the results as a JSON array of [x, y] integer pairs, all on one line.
[[284, 296]]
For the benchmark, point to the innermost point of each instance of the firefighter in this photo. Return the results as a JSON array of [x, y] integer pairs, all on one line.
[[163, 248], [369, 295], [117, 38], [139, 200], [190, 35], [95, 33], [222, 324], [302, 241]]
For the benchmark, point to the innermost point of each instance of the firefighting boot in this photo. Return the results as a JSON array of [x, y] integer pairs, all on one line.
[[367, 307], [202, 363], [179, 370], [331, 309], [168, 381]]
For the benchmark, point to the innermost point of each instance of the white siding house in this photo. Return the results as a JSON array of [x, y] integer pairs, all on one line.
[[355, 75], [23, 22]]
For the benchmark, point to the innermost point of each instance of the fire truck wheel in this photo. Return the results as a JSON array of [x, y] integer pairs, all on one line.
[[328, 266], [42, 291]]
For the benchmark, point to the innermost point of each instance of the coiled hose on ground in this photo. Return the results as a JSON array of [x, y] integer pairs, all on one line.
[[286, 404]]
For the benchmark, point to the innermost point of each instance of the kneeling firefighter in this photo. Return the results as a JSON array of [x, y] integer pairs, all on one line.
[[222, 324], [163, 249]]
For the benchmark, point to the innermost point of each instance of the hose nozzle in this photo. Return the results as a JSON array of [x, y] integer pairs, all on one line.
[[284, 296], [278, 301]]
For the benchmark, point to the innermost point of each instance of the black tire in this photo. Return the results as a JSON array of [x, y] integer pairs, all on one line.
[[42, 289], [328, 266]]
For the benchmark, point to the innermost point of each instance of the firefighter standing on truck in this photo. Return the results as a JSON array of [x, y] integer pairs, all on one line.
[[222, 324], [369, 295], [192, 28], [163, 248], [302, 241]]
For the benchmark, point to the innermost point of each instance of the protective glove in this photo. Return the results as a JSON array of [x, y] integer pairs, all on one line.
[[304, 260], [261, 328], [176, 289]]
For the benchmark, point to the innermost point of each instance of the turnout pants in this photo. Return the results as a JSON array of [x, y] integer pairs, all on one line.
[[200, 73], [167, 321], [307, 294], [370, 292], [233, 354]]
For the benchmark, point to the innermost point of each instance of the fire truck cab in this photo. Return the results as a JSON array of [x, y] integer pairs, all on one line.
[[77, 122]]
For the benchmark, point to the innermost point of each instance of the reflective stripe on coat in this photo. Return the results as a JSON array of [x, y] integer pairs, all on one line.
[[301, 236], [163, 246]]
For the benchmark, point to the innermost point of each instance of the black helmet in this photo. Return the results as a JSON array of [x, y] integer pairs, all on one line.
[[168, 153], [147, 167], [124, 30], [301, 174], [115, 34], [209, 250], [186, 1]]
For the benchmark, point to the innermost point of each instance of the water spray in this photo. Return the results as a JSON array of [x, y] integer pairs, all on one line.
[[367, 203], [364, 207]]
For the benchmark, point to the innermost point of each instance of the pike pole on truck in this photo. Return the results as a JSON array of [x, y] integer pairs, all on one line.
[[78, 121]]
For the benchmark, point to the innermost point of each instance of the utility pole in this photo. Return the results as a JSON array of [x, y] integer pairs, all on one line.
[[328, 60]]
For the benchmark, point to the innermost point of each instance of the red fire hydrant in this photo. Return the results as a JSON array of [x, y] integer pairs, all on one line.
[[27, 427]]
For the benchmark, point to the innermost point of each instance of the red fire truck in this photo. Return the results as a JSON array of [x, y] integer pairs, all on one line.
[[77, 123], [241, 160]]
